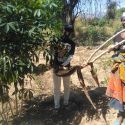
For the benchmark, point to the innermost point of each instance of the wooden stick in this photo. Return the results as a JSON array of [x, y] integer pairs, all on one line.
[[120, 43], [94, 74], [81, 80], [11, 108], [2, 116], [103, 45]]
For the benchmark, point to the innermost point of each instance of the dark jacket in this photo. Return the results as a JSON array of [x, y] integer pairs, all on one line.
[[64, 49]]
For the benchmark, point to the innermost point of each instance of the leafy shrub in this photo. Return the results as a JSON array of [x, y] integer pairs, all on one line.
[[93, 34], [101, 22], [24, 28]]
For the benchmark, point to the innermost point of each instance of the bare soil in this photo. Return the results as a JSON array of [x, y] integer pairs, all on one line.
[[39, 110]]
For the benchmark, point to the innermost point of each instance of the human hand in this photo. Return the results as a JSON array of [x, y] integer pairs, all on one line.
[[110, 48]]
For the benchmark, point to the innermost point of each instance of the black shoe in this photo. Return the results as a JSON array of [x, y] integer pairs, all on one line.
[[69, 106], [65, 107]]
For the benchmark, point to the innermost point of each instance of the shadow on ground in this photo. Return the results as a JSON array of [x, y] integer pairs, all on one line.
[[39, 111]]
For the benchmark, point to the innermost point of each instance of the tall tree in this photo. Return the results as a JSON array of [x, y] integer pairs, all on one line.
[[111, 9], [72, 8], [68, 12], [24, 27]]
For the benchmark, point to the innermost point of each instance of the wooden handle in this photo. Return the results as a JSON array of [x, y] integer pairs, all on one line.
[[104, 44], [120, 43]]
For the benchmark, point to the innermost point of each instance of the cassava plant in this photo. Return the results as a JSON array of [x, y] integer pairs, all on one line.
[[24, 27]]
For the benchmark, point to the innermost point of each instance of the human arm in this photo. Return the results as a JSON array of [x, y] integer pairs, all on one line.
[[70, 53], [67, 61]]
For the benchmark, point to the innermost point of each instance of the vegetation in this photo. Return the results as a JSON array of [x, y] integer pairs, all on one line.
[[24, 28], [92, 31], [111, 9]]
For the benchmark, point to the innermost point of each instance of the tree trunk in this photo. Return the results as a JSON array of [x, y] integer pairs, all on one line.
[[68, 11]]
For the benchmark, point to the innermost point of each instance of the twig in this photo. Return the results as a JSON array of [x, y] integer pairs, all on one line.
[[16, 103], [2, 116], [22, 94], [104, 44], [94, 74], [11, 108]]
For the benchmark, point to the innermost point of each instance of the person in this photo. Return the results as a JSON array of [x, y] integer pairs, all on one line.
[[116, 84], [63, 54]]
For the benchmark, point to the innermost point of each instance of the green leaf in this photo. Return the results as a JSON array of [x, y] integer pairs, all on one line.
[[12, 25], [32, 31], [32, 69], [4, 65], [3, 24], [9, 9], [0, 20], [23, 25], [7, 28], [39, 13], [35, 13], [55, 5]]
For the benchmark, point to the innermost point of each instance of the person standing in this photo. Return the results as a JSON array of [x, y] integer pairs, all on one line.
[[116, 84], [63, 54]]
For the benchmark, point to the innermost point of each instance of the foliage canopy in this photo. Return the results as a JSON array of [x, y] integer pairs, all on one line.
[[24, 27]]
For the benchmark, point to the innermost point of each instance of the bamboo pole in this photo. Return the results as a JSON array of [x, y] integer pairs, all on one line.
[[103, 45], [81, 79], [120, 43], [94, 75]]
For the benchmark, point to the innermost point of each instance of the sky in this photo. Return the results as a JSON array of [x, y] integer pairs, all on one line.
[[94, 9], [122, 3]]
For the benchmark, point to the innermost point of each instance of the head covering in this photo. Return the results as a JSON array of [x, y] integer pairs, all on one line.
[[123, 16], [68, 28]]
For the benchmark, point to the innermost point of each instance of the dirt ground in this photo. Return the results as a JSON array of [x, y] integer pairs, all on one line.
[[39, 111]]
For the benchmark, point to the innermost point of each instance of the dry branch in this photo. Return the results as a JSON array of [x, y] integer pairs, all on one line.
[[81, 80]]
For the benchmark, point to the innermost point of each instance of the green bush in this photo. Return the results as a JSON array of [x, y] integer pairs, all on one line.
[[93, 35], [101, 22], [24, 27]]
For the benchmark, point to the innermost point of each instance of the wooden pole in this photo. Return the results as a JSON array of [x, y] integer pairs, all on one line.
[[103, 45], [120, 43], [94, 74]]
